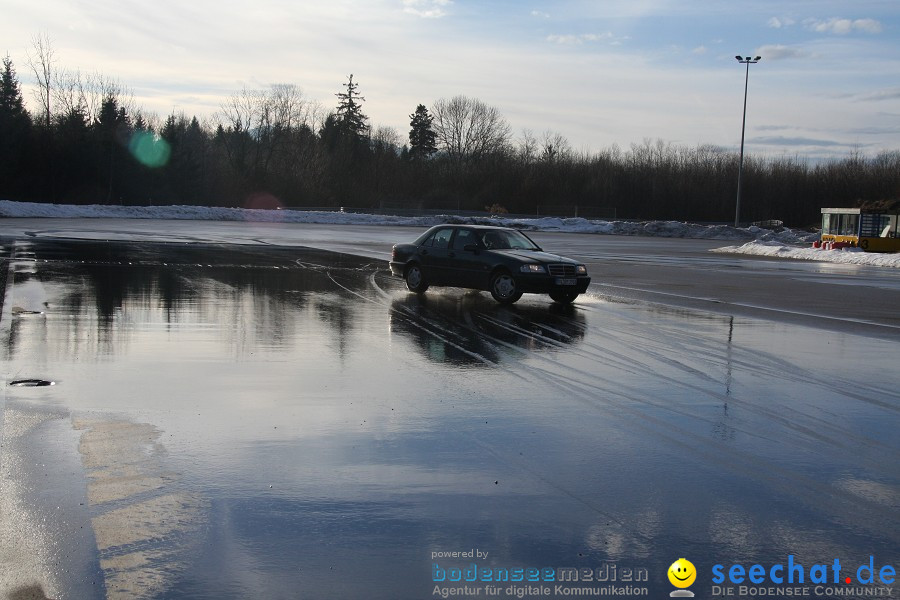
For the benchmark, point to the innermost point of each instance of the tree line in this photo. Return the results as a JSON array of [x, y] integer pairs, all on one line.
[[87, 143]]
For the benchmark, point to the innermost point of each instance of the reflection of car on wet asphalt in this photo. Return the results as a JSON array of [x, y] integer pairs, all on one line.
[[470, 329], [505, 262]]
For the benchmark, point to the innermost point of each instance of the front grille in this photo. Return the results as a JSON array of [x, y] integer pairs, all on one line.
[[561, 270]]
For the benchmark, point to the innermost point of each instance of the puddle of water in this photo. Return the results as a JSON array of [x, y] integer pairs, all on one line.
[[314, 427]]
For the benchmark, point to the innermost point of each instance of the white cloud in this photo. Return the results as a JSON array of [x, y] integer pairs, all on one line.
[[596, 37], [779, 22], [427, 9], [699, 50], [868, 25], [541, 14], [563, 39], [843, 26], [883, 94], [581, 38], [779, 52]]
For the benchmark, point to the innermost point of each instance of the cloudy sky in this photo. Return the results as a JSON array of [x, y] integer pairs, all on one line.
[[600, 72]]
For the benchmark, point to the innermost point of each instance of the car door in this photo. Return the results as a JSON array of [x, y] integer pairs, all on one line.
[[466, 267], [434, 256]]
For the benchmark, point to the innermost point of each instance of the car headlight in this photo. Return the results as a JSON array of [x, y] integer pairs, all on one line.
[[581, 270], [532, 269]]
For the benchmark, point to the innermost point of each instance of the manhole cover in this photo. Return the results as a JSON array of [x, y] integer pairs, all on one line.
[[31, 383]]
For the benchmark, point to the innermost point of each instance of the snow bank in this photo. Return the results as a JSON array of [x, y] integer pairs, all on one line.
[[675, 229], [198, 213], [849, 256], [575, 225]]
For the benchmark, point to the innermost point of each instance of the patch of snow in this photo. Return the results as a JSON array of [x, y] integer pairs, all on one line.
[[849, 256]]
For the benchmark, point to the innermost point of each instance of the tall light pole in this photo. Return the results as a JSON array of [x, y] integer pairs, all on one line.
[[737, 207]]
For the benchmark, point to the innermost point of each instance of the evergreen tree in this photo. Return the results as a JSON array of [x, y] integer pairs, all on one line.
[[12, 107], [76, 160], [15, 132], [184, 171], [350, 119], [330, 133], [113, 129], [421, 135]]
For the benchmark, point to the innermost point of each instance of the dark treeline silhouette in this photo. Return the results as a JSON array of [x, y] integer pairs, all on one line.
[[276, 147]]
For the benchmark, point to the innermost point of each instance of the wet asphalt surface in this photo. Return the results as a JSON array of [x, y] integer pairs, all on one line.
[[249, 422]]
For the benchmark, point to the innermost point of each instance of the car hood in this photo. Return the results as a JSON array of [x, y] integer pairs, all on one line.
[[539, 257]]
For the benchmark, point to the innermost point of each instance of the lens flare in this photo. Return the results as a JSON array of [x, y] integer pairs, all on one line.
[[149, 149], [262, 200]]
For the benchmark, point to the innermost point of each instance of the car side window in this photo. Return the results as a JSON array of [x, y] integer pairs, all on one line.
[[442, 238], [495, 240], [428, 241], [463, 237]]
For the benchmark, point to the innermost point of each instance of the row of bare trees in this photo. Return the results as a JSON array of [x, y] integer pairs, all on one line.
[[88, 143]]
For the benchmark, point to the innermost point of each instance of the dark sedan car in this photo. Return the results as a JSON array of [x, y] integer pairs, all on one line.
[[505, 262]]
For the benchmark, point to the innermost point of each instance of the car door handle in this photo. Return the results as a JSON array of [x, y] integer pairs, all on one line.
[[451, 254], [424, 252]]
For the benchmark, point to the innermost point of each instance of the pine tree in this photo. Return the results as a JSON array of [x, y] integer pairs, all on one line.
[[112, 127], [15, 131], [12, 107], [421, 135], [76, 159], [350, 119]]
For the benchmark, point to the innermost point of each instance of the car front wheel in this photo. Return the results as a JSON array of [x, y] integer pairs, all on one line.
[[563, 296], [504, 288], [415, 279]]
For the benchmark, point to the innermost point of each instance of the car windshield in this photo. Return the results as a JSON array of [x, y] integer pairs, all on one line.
[[501, 239]]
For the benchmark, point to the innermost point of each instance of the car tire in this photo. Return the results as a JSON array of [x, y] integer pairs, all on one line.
[[415, 279], [563, 296], [504, 288]]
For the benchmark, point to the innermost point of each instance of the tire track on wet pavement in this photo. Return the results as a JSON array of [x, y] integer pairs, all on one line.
[[592, 390], [649, 347]]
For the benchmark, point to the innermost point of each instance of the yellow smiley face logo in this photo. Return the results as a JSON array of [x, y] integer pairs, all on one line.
[[682, 573]]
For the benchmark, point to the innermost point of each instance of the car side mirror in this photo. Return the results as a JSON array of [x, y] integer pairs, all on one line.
[[471, 248]]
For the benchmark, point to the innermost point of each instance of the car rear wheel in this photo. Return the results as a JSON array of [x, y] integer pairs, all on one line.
[[415, 279], [563, 296], [504, 288]]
